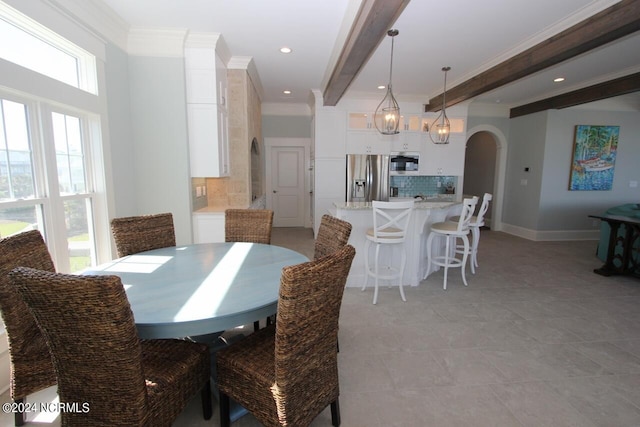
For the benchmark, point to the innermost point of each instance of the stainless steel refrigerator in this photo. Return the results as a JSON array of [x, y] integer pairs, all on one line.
[[367, 177]]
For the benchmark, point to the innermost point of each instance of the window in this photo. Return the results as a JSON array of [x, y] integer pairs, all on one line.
[[37, 48], [44, 183], [48, 142], [16, 169]]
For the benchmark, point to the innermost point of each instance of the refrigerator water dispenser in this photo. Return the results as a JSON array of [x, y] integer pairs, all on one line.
[[359, 188]]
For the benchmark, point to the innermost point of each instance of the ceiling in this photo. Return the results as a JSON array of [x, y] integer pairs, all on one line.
[[469, 36]]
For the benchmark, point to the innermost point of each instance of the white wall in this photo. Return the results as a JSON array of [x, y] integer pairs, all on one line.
[[561, 209], [522, 189], [120, 128], [544, 208], [159, 140]]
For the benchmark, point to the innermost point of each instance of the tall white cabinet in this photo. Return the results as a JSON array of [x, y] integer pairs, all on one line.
[[205, 57]]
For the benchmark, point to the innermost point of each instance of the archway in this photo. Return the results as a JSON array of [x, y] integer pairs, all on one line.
[[499, 172]]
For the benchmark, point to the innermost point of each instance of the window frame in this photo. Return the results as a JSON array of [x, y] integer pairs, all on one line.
[[47, 200], [85, 61]]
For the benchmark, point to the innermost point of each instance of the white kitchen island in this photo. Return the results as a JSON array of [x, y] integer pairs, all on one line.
[[360, 215]]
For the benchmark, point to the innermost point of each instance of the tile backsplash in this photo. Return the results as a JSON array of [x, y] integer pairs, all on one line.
[[410, 186]]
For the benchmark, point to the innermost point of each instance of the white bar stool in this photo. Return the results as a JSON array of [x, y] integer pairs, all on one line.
[[452, 231], [475, 223], [390, 223]]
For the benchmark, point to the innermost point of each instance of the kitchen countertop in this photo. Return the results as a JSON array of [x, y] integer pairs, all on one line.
[[211, 209], [426, 204]]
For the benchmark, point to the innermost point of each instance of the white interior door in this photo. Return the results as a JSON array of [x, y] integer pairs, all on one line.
[[287, 186]]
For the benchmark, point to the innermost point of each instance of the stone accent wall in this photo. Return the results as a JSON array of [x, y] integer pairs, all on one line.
[[244, 111], [257, 185]]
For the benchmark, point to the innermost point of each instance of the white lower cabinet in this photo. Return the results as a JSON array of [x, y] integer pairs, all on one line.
[[208, 227]]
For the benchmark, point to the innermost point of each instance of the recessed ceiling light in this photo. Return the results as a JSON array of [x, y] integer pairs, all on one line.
[[286, 92], [382, 87], [285, 49], [558, 79]]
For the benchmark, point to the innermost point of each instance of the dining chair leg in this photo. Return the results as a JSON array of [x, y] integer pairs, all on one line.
[[366, 264], [207, 408], [19, 416], [464, 258], [377, 267], [225, 416], [446, 261], [403, 263], [475, 231], [335, 413]]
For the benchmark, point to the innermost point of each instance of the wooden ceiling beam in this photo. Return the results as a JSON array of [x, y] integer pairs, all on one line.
[[616, 87], [370, 27], [615, 22]]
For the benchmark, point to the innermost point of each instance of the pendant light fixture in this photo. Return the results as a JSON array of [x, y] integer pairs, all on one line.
[[441, 127], [387, 115]]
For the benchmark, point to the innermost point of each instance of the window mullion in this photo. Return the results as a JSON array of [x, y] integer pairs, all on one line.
[[54, 215]]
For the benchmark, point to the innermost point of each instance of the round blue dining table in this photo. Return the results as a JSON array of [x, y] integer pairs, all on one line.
[[202, 288]]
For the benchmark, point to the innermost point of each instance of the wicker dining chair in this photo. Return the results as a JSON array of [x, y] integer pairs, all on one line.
[[287, 373], [31, 367], [333, 234], [112, 377], [136, 234], [248, 225]]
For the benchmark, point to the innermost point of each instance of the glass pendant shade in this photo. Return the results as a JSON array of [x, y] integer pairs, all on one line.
[[387, 115], [441, 127]]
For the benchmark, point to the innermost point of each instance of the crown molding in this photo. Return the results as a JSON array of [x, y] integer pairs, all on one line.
[[208, 40], [156, 42], [98, 17], [247, 63]]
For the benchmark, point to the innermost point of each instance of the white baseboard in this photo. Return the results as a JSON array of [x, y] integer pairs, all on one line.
[[550, 235]]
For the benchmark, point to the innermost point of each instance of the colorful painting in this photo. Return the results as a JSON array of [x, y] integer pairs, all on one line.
[[594, 157]]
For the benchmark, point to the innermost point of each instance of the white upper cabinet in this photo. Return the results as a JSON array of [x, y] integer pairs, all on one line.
[[208, 146], [443, 159], [207, 116], [411, 123], [409, 141], [362, 142], [205, 85], [361, 121]]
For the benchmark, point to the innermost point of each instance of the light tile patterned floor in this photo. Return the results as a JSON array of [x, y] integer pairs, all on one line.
[[537, 339]]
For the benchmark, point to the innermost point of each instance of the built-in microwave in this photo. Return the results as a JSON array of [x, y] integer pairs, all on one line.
[[404, 163]]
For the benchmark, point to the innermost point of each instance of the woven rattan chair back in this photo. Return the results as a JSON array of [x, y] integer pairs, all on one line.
[[333, 234], [248, 225], [31, 367], [136, 234], [286, 374], [100, 362]]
